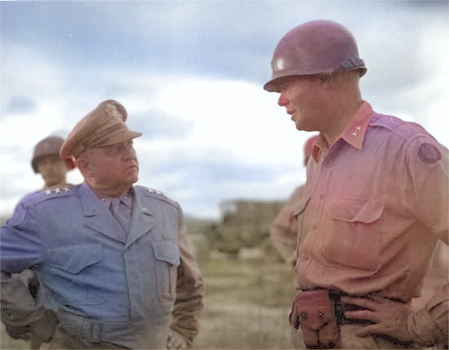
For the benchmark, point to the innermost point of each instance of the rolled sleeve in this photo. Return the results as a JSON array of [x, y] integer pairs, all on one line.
[[429, 326]]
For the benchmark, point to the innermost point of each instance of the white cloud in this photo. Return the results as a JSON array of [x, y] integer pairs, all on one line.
[[231, 124], [235, 115], [234, 120]]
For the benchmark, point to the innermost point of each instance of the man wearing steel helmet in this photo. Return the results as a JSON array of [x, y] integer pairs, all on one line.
[[21, 315], [47, 162], [112, 258], [376, 207]]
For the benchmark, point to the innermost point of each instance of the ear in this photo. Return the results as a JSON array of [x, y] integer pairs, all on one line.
[[83, 166]]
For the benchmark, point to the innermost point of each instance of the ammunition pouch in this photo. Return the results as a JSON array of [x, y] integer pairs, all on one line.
[[315, 312]]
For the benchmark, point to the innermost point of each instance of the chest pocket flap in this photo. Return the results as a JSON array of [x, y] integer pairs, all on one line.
[[355, 210], [65, 259], [166, 251], [355, 241]]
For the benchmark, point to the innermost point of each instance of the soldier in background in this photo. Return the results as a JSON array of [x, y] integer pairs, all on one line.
[[47, 162], [20, 312], [283, 232]]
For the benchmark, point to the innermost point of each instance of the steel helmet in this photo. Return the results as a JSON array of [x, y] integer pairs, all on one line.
[[314, 47], [48, 146]]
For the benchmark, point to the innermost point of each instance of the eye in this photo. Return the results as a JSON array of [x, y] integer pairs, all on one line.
[[321, 314], [304, 316]]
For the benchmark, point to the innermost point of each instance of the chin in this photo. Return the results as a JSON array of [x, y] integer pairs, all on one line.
[[301, 127]]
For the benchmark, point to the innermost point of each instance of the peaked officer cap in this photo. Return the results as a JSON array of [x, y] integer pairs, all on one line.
[[104, 126]]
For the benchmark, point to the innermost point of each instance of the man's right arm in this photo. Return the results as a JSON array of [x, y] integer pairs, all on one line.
[[19, 308], [20, 250], [21, 315]]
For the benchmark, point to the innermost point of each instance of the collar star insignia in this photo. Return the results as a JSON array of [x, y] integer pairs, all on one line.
[[356, 131], [157, 192], [57, 189]]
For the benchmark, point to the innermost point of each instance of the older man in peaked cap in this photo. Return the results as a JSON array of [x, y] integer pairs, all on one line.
[[113, 259]]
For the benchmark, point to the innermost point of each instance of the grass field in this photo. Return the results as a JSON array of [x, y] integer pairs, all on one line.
[[247, 304]]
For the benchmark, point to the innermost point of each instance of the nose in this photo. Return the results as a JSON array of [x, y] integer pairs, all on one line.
[[129, 151], [282, 101]]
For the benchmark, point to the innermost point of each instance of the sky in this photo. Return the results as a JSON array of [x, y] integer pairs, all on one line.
[[191, 76]]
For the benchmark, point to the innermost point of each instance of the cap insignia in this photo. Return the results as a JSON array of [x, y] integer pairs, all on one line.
[[278, 65], [112, 112]]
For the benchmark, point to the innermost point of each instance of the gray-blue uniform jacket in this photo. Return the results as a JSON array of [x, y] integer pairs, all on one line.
[[103, 284]]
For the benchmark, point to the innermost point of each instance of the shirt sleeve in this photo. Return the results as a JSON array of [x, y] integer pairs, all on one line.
[[427, 195], [21, 247], [283, 234], [190, 291], [19, 307], [429, 326], [284, 229], [427, 191]]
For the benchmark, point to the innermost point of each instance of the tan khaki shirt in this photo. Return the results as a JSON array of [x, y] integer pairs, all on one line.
[[376, 206]]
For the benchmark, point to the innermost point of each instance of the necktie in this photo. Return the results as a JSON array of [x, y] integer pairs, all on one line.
[[121, 212]]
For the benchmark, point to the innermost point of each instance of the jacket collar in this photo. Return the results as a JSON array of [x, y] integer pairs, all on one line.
[[98, 217]]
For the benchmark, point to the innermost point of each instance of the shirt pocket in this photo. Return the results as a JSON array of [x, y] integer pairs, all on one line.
[[166, 254], [76, 274], [354, 236]]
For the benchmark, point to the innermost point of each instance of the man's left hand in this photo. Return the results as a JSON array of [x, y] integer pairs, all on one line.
[[388, 317], [176, 340]]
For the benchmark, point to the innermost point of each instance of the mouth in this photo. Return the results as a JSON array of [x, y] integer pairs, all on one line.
[[133, 167], [292, 115]]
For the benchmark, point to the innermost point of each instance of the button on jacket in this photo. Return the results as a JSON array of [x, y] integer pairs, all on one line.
[[376, 205], [104, 284]]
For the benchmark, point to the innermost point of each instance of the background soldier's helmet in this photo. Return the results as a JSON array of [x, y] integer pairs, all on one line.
[[48, 146], [312, 48]]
